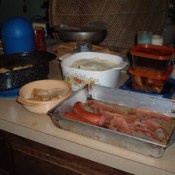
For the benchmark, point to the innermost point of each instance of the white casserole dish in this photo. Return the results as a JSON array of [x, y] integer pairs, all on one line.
[[78, 77]]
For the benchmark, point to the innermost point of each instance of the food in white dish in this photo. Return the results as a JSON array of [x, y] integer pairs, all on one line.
[[94, 64]]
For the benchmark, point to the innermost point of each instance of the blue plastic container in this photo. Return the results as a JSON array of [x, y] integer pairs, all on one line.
[[9, 93], [167, 92], [17, 35]]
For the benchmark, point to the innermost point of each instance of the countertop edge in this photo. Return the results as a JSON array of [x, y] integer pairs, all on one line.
[[64, 145]]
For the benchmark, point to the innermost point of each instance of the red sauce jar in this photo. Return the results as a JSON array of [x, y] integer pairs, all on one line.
[[40, 42]]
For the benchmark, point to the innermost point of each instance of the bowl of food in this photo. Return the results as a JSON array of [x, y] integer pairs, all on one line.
[[84, 68], [40, 96]]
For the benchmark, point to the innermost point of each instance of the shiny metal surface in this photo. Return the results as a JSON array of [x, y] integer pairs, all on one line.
[[93, 35], [139, 145]]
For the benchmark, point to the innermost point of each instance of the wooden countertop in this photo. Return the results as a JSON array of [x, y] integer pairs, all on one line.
[[15, 119]]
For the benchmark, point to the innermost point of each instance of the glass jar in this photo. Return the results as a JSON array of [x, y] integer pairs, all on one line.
[[40, 42]]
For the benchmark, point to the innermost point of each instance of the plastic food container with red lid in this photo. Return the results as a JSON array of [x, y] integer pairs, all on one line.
[[154, 58], [149, 81]]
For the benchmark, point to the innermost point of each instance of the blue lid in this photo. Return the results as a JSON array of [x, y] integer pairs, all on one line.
[[17, 27], [17, 35]]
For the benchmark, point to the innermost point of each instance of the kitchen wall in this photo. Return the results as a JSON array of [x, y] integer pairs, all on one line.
[[30, 9], [37, 10]]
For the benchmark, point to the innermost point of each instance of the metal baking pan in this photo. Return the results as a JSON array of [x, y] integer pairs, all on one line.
[[117, 96]]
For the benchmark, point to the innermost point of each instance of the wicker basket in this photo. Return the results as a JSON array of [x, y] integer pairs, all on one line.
[[122, 17]]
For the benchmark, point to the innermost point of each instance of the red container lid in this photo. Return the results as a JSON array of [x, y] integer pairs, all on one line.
[[153, 51], [159, 76]]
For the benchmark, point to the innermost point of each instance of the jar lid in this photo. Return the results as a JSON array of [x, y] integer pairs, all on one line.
[[17, 27], [153, 51], [153, 75]]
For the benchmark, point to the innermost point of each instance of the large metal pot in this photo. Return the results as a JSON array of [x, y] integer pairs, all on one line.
[[21, 68]]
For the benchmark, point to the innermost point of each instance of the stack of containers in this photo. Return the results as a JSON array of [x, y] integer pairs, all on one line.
[[150, 67]]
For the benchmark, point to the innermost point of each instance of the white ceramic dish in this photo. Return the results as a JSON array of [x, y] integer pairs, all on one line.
[[78, 77], [42, 107]]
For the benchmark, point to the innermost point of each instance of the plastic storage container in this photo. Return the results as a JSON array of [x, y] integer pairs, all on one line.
[[167, 92], [17, 35], [148, 81], [154, 58]]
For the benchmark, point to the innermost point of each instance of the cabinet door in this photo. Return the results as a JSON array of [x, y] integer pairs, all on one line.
[[6, 164], [32, 158]]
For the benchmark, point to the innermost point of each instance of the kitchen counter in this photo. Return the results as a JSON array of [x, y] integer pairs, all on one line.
[[15, 119]]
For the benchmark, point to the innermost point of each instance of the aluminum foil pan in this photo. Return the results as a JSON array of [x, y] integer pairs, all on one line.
[[117, 96]]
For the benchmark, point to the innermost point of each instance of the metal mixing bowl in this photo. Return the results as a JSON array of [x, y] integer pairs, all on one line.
[[84, 34]]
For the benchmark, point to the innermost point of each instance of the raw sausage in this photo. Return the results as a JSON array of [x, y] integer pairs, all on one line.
[[73, 116], [96, 119]]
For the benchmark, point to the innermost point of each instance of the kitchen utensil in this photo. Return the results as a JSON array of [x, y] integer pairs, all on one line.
[[151, 67], [79, 77], [144, 37], [48, 89], [21, 68], [70, 48], [17, 35], [151, 58], [115, 96], [167, 92], [148, 81], [89, 33]]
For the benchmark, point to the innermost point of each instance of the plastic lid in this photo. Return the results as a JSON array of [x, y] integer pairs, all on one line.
[[153, 51], [17, 27], [160, 76]]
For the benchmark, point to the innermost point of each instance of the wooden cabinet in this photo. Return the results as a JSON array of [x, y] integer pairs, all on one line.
[[5, 156], [28, 157]]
